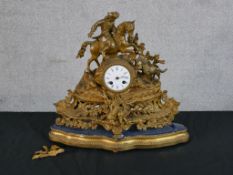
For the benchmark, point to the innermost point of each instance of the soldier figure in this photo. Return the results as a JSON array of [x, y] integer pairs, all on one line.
[[108, 29]]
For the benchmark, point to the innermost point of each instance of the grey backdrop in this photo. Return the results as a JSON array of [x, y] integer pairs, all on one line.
[[39, 41]]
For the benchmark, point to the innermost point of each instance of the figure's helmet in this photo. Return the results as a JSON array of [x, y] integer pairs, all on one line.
[[113, 15]]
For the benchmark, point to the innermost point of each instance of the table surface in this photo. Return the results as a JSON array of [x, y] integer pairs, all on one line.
[[210, 150]]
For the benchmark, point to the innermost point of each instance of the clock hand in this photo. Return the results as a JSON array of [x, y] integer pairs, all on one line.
[[125, 77]]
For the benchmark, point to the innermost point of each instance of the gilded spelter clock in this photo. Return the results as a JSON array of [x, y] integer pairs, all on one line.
[[119, 105]]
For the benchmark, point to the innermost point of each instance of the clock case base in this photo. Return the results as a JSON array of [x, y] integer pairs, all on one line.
[[132, 139]]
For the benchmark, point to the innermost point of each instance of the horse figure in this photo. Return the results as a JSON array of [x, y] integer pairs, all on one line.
[[105, 47]]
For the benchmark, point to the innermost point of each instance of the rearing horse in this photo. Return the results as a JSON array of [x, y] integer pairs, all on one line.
[[103, 46]]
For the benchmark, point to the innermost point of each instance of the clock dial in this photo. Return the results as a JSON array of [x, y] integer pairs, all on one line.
[[117, 78]]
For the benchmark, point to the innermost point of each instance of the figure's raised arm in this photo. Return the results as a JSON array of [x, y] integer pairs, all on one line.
[[94, 27]]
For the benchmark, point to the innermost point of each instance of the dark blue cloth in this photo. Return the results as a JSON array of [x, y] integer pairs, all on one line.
[[209, 151]]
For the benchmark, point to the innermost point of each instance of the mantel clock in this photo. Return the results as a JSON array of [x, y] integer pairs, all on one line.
[[118, 105]]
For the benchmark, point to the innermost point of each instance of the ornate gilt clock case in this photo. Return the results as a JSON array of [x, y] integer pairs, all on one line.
[[119, 105]]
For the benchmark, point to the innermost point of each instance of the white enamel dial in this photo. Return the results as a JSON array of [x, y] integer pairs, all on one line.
[[117, 78]]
